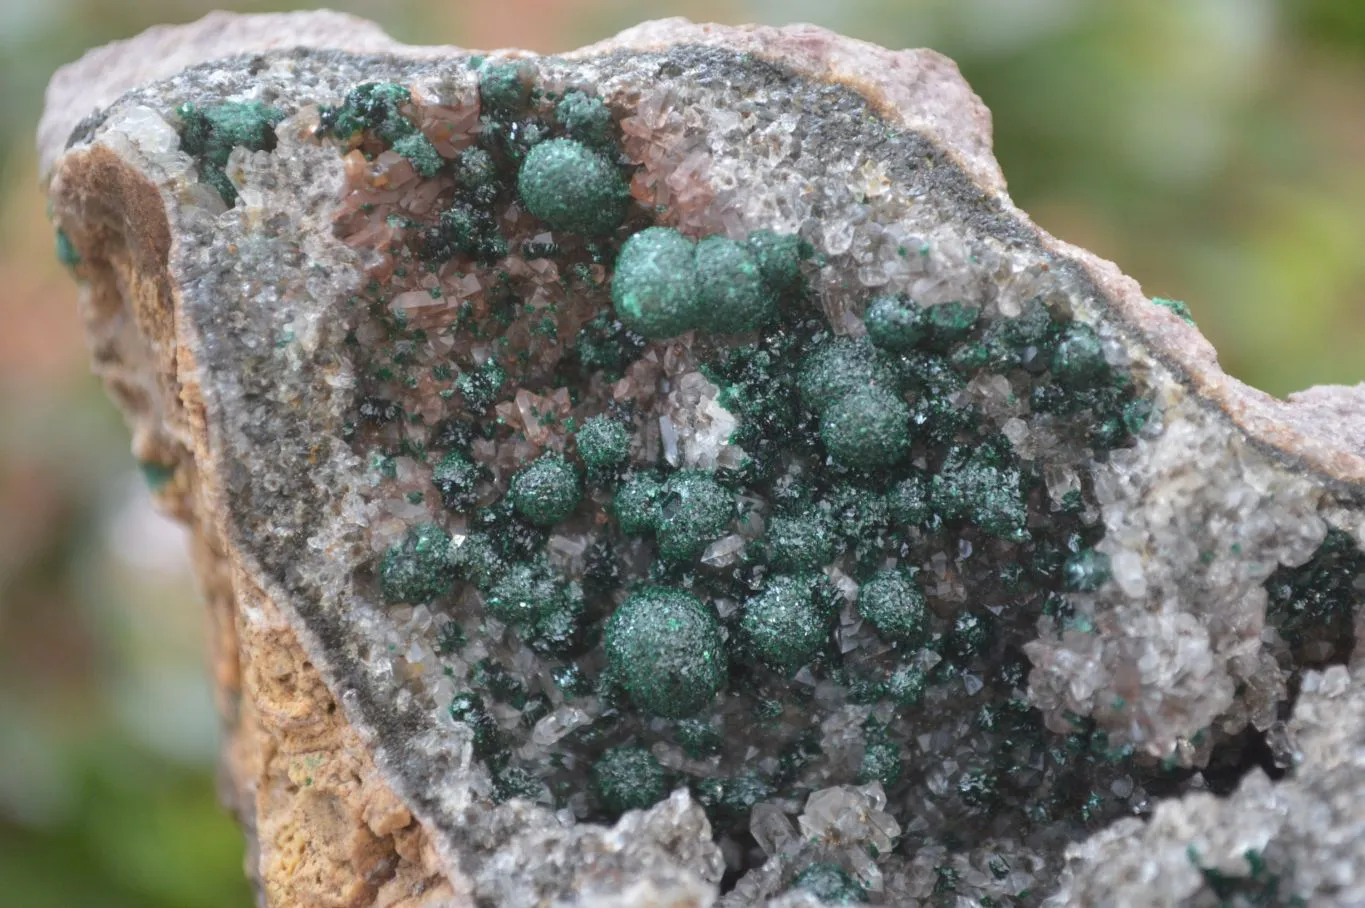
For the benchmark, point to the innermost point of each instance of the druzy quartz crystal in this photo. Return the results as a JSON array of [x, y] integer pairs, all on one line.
[[674, 473]]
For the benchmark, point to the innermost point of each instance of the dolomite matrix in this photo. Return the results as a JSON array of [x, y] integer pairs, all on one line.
[[673, 473]]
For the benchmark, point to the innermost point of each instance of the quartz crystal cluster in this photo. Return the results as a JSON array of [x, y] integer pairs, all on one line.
[[698, 485]]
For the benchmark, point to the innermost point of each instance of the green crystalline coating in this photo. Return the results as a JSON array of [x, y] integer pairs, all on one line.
[[559, 629], [457, 478], [604, 444], [838, 367], [547, 491], [419, 151], [654, 287], [504, 87], [881, 759], [978, 485], [694, 511], [731, 293], [950, 322], [1319, 597], [584, 118], [1079, 360], [476, 559], [475, 168], [1086, 571], [208, 134], [480, 388], [370, 106], [730, 800], [788, 623], [629, 778], [908, 502], [830, 884], [665, 648], [779, 257], [699, 738], [66, 252], [637, 504], [894, 603], [156, 475], [894, 322], [906, 685], [489, 746], [417, 569], [867, 429], [572, 188], [1176, 306], [525, 594], [799, 544]]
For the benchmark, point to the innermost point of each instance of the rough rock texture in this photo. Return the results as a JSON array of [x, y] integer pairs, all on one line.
[[358, 344]]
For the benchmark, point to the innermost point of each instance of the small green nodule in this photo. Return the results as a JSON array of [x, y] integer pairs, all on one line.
[[547, 491], [417, 569], [604, 444], [629, 778], [894, 322], [66, 252], [789, 621], [894, 603], [694, 511]]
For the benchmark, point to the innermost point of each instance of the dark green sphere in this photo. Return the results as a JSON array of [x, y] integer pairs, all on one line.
[[629, 778], [894, 603], [547, 491], [894, 322], [636, 504], [665, 648], [417, 569], [733, 296], [603, 443], [694, 511], [654, 287], [838, 367], [786, 625], [457, 478], [867, 429], [572, 188], [803, 543]]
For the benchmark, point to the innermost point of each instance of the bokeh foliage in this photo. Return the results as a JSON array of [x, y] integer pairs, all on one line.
[[1214, 148]]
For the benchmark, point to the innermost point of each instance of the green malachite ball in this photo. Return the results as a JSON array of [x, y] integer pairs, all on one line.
[[573, 188], [665, 648]]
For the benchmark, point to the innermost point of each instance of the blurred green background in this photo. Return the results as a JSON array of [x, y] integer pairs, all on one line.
[[1214, 148]]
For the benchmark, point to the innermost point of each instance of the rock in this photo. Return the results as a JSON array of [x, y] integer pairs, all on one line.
[[315, 270]]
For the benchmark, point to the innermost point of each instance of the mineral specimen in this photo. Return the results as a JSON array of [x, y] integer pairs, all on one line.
[[605, 466]]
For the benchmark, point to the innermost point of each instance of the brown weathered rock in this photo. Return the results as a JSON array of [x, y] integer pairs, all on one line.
[[226, 336]]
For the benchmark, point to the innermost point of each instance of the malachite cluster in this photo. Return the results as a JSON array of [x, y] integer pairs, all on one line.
[[210, 133], [682, 608], [666, 283]]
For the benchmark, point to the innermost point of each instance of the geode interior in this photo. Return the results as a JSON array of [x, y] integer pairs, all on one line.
[[668, 419]]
